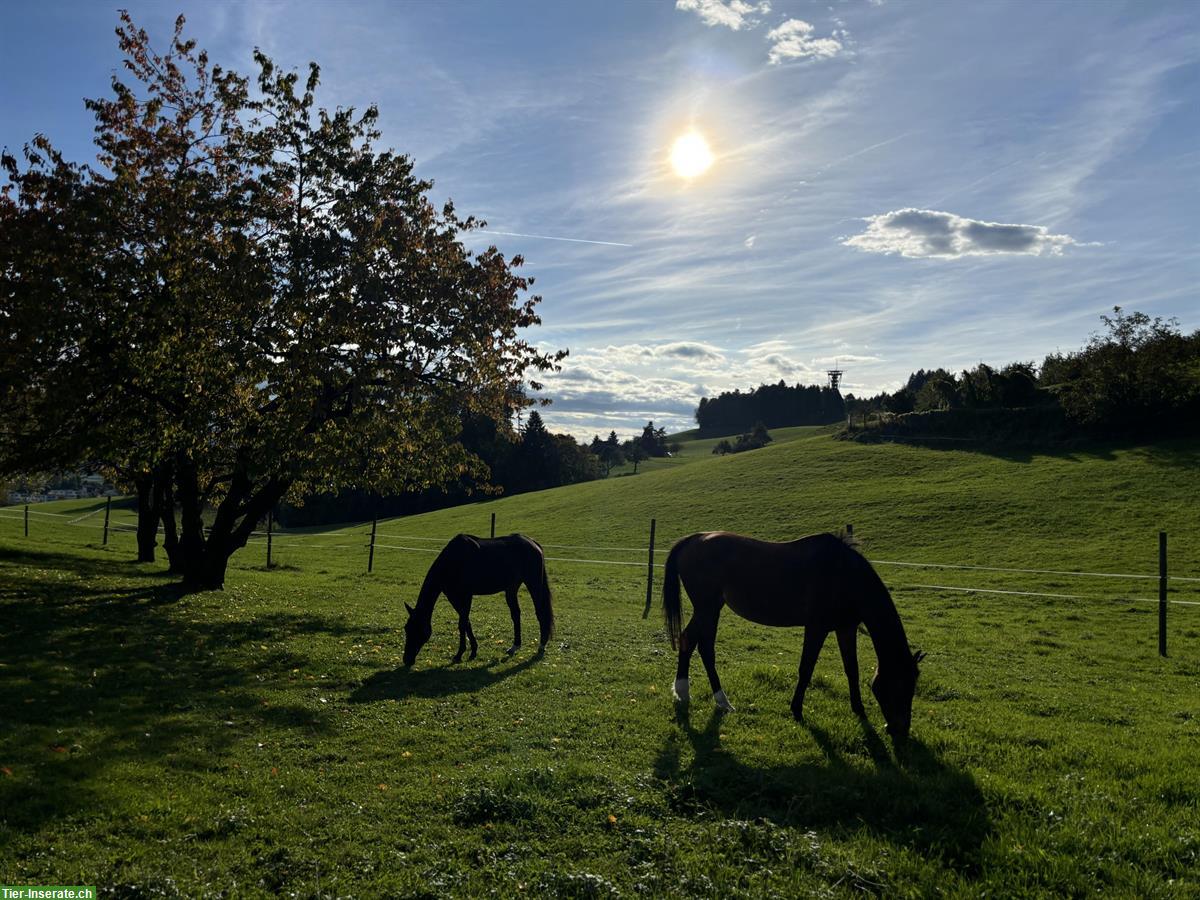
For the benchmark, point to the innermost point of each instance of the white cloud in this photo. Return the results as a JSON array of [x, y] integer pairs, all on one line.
[[644, 354], [926, 233], [781, 363], [749, 242], [734, 14], [690, 350], [793, 40]]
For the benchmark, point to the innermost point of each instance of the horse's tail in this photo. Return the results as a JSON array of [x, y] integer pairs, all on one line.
[[671, 603], [543, 599]]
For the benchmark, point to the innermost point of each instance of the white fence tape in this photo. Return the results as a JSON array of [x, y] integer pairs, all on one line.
[[294, 539]]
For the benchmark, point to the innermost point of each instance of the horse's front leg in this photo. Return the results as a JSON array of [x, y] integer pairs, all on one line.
[[848, 643], [514, 610], [462, 642], [814, 638], [462, 606], [470, 630]]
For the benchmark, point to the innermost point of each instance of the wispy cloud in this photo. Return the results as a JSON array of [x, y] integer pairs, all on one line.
[[794, 40], [925, 233], [734, 14], [546, 237]]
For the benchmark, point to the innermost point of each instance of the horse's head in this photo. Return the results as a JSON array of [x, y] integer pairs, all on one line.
[[894, 687], [416, 633]]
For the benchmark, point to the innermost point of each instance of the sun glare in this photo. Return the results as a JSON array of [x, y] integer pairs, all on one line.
[[690, 155]]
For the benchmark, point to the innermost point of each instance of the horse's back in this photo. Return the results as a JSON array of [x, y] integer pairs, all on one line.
[[489, 565], [802, 582]]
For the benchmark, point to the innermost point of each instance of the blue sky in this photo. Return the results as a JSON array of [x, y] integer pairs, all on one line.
[[866, 156]]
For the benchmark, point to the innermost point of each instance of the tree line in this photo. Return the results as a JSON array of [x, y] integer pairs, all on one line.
[[1139, 376], [243, 299], [774, 405], [530, 458]]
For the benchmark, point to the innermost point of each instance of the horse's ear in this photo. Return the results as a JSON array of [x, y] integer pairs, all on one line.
[[409, 608]]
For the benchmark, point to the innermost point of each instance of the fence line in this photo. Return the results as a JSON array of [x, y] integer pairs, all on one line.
[[888, 562], [293, 537], [975, 590], [301, 539]]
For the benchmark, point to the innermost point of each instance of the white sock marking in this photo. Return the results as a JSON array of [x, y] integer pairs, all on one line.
[[681, 691]]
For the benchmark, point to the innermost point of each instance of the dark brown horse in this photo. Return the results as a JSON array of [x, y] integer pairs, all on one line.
[[820, 582], [470, 565]]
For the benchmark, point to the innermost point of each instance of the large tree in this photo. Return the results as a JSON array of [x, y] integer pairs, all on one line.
[[288, 310]]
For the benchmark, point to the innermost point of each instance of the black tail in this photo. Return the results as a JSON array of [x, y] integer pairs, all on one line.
[[671, 605]]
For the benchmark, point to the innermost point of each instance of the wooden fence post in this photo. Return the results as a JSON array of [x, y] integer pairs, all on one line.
[[270, 522], [493, 524], [371, 557], [649, 573], [1162, 593], [107, 509]]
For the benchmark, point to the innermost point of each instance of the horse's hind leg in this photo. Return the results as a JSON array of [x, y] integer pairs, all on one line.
[[515, 610], [708, 654], [813, 639], [687, 644], [848, 644]]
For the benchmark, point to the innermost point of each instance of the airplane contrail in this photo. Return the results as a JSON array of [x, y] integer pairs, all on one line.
[[838, 162], [546, 237]]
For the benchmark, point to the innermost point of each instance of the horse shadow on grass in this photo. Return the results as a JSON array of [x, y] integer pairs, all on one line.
[[439, 681], [912, 798]]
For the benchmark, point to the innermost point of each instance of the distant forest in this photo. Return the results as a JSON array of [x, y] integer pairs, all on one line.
[[774, 405], [529, 458], [1139, 377]]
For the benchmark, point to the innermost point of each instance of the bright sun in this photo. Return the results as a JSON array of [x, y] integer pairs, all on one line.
[[690, 155]]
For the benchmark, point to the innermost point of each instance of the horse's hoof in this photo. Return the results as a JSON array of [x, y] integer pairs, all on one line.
[[513, 649], [859, 711], [680, 691], [722, 702], [455, 660], [474, 653], [798, 715]]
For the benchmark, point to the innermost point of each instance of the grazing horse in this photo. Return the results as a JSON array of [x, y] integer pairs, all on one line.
[[470, 565], [820, 582]]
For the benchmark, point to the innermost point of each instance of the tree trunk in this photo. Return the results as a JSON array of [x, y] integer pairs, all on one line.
[[206, 557], [165, 496], [191, 542], [148, 514]]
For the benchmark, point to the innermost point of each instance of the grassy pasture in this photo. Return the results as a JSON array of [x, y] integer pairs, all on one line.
[[262, 740]]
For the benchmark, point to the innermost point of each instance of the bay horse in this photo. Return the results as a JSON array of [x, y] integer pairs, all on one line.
[[470, 565], [820, 582]]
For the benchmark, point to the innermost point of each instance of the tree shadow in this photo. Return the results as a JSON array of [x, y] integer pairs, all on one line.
[[121, 567], [103, 670], [1181, 453], [441, 681], [911, 798]]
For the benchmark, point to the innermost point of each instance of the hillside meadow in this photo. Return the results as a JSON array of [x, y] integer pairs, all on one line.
[[263, 740]]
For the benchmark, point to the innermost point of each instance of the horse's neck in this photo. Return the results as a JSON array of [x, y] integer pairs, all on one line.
[[431, 588], [886, 630]]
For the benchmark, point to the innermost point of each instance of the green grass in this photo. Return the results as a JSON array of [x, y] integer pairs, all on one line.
[[694, 448], [262, 740]]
